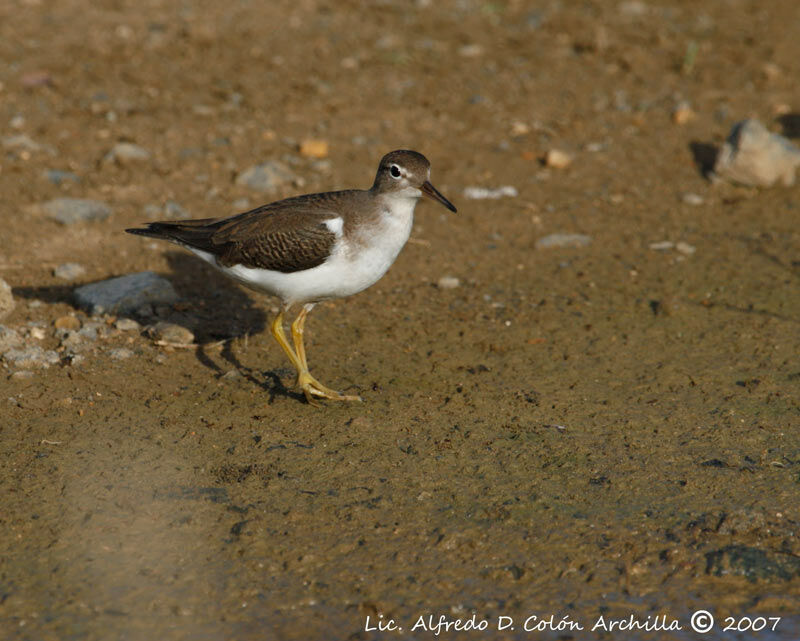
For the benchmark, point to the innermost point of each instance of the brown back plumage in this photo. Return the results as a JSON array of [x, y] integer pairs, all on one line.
[[286, 236]]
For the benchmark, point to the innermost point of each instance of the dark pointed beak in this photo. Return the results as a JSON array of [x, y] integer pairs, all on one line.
[[431, 192]]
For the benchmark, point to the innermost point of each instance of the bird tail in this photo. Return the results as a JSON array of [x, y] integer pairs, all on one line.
[[190, 233]]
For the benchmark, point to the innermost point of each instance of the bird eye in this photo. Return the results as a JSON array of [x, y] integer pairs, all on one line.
[[395, 171]]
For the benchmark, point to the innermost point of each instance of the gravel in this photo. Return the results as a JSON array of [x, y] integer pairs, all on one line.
[[31, 357]]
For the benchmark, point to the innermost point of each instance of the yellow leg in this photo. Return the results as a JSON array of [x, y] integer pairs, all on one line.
[[298, 326], [311, 386]]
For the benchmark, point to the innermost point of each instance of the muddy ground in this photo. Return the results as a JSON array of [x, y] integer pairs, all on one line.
[[608, 429]]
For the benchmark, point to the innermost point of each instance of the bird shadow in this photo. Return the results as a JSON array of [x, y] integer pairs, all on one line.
[[705, 154], [221, 312], [217, 310]]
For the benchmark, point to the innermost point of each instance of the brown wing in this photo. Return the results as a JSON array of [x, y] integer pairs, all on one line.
[[286, 236]]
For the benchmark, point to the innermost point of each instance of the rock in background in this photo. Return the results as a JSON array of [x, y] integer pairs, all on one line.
[[754, 156]]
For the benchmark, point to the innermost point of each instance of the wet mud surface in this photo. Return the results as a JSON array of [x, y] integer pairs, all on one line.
[[606, 429]]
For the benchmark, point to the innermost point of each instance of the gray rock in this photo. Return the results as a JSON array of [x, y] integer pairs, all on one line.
[[267, 177], [7, 303], [68, 211], [125, 153], [9, 338], [563, 240], [31, 357], [754, 156], [57, 176], [69, 271], [125, 294]]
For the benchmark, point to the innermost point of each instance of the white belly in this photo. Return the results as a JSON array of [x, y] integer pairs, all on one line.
[[353, 265]]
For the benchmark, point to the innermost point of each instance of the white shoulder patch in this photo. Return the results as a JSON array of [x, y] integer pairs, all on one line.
[[335, 225]]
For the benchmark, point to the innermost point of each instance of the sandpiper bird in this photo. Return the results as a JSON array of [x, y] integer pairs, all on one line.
[[314, 247]]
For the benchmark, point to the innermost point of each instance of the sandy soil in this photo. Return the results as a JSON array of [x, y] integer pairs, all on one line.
[[575, 431]]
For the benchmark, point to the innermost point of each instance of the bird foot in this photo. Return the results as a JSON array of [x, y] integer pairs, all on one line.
[[313, 388]]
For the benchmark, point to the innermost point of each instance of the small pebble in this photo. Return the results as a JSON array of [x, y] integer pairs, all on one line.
[[241, 204], [67, 322], [519, 128], [120, 353], [72, 341], [21, 375], [633, 8], [38, 78], [76, 359], [771, 71], [21, 141], [7, 303], [170, 333], [685, 248], [563, 240], [693, 199], [173, 211], [69, 271], [69, 211], [37, 333], [266, 177], [448, 282], [482, 193], [682, 113], [557, 159], [88, 331], [662, 245], [126, 153], [314, 148], [127, 325], [470, 51], [58, 177]]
